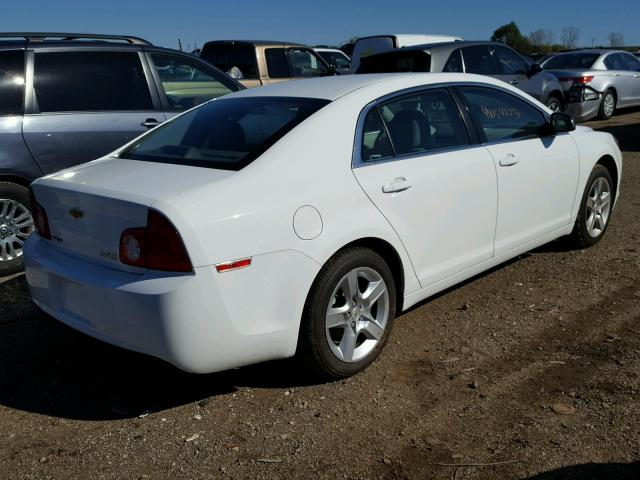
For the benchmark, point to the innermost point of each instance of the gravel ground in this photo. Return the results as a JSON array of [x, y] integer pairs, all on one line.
[[529, 371]]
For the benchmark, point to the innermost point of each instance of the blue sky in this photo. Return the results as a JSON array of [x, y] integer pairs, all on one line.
[[329, 22]]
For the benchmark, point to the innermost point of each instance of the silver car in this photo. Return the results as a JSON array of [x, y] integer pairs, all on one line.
[[597, 82], [483, 58]]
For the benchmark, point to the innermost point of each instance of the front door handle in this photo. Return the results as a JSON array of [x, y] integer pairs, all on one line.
[[514, 82], [150, 123], [509, 160], [399, 184]]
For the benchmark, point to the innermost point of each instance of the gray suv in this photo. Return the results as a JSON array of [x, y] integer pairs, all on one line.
[[483, 58], [70, 98]]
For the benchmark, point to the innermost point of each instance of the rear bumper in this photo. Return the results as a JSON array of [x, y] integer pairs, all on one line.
[[583, 111], [583, 103], [200, 322]]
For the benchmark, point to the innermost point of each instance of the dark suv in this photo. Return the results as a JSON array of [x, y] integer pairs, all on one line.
[[69, 98]]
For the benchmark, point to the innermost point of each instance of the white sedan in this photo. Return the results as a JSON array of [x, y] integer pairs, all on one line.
[[300, 218]]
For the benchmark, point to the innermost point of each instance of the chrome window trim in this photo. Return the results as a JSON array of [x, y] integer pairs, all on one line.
[[356, 157]]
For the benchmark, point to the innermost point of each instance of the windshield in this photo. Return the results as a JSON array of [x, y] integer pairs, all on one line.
[[336, 59], [578, 61], [226, 134]]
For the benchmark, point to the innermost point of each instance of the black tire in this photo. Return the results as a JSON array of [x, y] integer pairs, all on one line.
[[603, 114], [554, 102], [16, 193], [580, 236], [313, 343]]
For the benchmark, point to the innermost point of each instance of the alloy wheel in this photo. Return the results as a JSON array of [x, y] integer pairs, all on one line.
[[357, 314], [16, 224], [598, 207], [609, 104]]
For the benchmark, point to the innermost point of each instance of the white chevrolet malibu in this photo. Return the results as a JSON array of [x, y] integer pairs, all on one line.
[[300, 218]]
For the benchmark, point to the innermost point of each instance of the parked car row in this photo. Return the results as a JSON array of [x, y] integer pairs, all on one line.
[[484, 58]]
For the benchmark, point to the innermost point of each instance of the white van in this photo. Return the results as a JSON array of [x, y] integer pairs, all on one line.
[[366, 46]]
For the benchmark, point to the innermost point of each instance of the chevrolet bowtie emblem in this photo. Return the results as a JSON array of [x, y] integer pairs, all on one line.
[[76, 213]]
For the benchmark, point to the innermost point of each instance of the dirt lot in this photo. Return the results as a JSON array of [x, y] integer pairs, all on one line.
[[470, 377]]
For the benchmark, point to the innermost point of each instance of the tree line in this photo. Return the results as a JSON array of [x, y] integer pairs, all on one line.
[[543, 41]]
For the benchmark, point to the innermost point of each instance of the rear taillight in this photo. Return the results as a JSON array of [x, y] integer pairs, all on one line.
[[581, 80], [157, 246], [40, 219]]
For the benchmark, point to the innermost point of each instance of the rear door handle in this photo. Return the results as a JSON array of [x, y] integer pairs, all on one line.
[[399, 184], [514, 82], [150, 123], [509, 160]]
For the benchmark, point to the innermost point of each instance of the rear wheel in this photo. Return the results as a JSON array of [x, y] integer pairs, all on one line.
[[16, 224], [607, 105], [595, 209], [554, 103], [348, 315]]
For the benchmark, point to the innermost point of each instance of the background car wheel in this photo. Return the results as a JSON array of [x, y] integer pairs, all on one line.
[[607, 105], [555, 104], [595, 209], [348, 314], [16, 224]]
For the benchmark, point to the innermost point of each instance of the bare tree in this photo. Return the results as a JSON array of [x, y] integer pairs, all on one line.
[[537, 38], [569, 37], [549, 37], [616, 39]]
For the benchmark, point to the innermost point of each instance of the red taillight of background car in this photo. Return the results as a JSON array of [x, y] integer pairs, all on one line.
[[40, 219], [158, 246], [581, 80]]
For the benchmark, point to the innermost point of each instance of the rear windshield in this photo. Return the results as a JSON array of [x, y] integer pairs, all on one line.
[[226, 134], [579, 61], [241, 58], [396, 61]]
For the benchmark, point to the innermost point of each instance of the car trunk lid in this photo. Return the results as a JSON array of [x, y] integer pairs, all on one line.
[[89, 206]]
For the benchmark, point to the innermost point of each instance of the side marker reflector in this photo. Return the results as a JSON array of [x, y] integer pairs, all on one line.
[[235, 265]]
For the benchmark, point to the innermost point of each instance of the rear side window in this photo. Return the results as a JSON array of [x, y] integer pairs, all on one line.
[[396, 61], [226, 134], [454, 63], [510, 61], [430, 120], [571, 60], [185, 83], [11, 82], [90, 81], [375, 141], [479, 59], [236, 57], [277, 65], [615, 61], [500, 115]]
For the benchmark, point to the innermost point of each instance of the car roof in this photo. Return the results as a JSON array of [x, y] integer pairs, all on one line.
[[457, 44], [255, 42], [332, 88], [596, 51]]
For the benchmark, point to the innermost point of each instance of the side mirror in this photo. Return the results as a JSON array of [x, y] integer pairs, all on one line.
[[534, 69], [561, 122]]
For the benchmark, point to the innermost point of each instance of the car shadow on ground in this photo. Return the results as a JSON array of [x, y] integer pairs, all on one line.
[[50, 369], [592, 471], [627, 133]]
